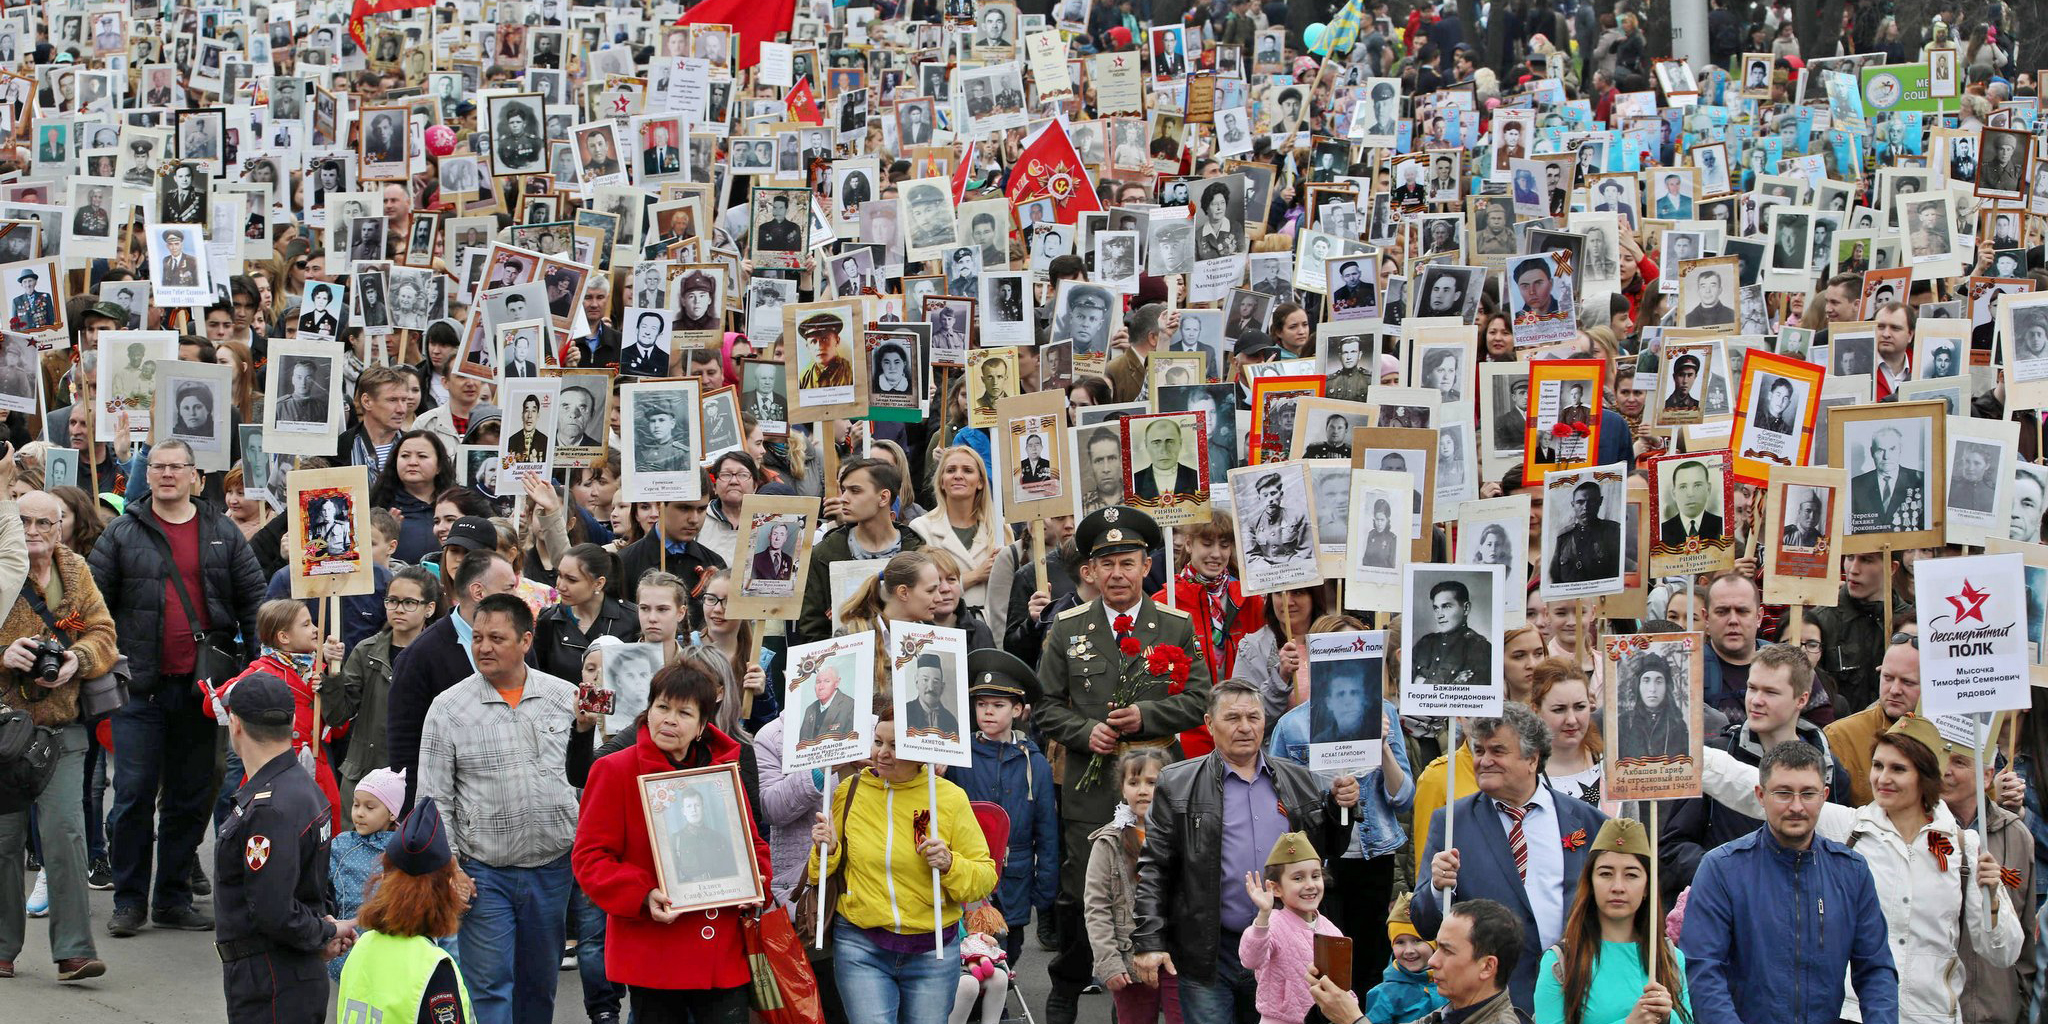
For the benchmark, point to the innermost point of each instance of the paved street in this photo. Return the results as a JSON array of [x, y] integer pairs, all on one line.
[[165, 977]]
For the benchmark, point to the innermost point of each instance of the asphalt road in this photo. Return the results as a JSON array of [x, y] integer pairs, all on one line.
[[168, 977]]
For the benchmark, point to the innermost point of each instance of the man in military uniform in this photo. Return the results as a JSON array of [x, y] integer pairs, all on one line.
[[273, 927], [1452, 653], [1080, 667], [698, 313], [829, 369], [1278, 534], [780, 234], [1684, 370], [1351, 380], [1591, 548], [33, 310], [660, 447]]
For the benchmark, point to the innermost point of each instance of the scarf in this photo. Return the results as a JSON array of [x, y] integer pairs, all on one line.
[[1215, 601], [300, 663]]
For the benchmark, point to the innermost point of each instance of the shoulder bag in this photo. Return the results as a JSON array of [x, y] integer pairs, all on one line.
[[210, 663], [808, 903]]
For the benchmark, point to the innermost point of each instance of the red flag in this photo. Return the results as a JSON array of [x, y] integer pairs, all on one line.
[[803, 103], [752, 21], [1049, 168], [365, 8], [961, 169]]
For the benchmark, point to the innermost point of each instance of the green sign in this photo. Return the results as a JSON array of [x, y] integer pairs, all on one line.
[[1899, 87]]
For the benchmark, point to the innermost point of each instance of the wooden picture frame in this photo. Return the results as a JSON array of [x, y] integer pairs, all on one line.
[[1038, 488], [664, 799], [830, 395], [1405, 441], [760, 577], [1923, 511], [1802, 545]]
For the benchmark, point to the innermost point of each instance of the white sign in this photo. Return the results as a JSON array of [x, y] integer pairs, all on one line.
[[826, 716], [1345, 720], [1451, 647], [928, 676], [1973, 640]]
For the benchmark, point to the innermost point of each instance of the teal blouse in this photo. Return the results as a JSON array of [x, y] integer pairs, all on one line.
[[1618, 980]]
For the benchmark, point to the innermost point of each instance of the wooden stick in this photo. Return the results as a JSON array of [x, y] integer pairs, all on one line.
[[752, 654], [1656, 904], [931, 776]]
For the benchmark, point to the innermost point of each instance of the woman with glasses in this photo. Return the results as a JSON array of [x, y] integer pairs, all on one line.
[[733, 638], [409, 602]]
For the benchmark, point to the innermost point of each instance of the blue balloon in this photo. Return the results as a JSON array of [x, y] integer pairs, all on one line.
[[1313, 35]]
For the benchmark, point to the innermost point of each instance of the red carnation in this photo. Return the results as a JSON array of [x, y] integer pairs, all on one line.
[[1582, 429], [1121, 624], [1129, 645]]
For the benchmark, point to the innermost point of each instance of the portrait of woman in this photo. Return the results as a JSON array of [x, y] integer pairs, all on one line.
[[194, 418], [1653, 717], [1494, 547], [1217, 236]]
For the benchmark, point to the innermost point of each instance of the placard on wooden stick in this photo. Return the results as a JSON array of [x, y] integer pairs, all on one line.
[[772, 556], [1802, 534], [1037, 477], [329, 525]]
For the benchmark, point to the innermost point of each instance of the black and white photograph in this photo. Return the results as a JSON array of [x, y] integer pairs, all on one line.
[[1219, 218], [384, 144], [1888, 460], [895, 374], [1377, 544], [18, 377], [1706, 294], [1116, 261], [1007, 307], [702, 832], [1451, 649], [1448, 291], [928, 216], [1582, 516], [646, 348], [305, 398], [517, 143], [196, 409], [1275, 533], [1082, 313], [1694, 533], [1975, 470], [183, 195], [1776, 419], [321, 311], [1099, 462], [584, 408], [660, 427], [1928, 221], [127, 379], [2005, 157], [764, 394]]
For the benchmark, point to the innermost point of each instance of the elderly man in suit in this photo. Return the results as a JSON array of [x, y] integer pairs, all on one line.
[[1518, 833], [1886, 497]]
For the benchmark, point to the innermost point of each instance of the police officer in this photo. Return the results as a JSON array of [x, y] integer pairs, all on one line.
[[1081, 667], [273, 925]]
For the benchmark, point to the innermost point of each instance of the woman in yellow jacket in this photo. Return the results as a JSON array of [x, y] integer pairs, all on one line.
[[883, 841]]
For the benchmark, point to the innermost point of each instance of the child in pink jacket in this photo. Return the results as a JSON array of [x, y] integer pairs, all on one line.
[[1280, 948]]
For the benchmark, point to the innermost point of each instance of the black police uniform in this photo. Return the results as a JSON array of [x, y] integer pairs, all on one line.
[[270, 897]]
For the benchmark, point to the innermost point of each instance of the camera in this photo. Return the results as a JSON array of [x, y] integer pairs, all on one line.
[[49, 659]]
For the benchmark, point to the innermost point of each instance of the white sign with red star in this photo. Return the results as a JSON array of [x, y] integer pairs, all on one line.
[[1974, 633]]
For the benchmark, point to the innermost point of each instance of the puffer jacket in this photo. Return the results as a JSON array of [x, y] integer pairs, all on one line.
[[1180, 897], [130, 567], [1853, 644], [1013, 774], [1922, 895]]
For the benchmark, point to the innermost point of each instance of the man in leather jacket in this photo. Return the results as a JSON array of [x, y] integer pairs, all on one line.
[[1192, 905]]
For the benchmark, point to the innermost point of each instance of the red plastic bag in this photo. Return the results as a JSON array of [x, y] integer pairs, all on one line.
[[784, 989]]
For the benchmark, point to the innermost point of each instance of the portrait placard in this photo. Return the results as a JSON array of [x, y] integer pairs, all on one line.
[[1451, 654], [628, 672], [1377, 547], [580, 425], [2022, 321], [772, 556], [1032, 450], [1564, 431], [1692, 495], [1981, 457], [1495, 531], [1503, 416], [1273, 409], [1652, 698], [703, 836], [1775, 410], [827, 378], [526, 443], [1582, 510], [1276, 537], [928, 676], [1897, 490], [1973, 645], [2035, 558], [329, 525], [197, 402], [1164, 472], [1346, 678], [1804, 511], [661, 435], [303, 380], [1409, 450], [826, 683], [1636, 523]]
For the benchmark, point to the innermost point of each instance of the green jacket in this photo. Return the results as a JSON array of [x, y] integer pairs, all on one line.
[[814, 619], [365, 681], [1079, 666]]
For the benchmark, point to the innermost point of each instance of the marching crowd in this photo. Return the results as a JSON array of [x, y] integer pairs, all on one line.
[[422, 799]]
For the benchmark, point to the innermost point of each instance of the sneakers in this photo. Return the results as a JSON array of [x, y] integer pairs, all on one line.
[[184, 919], [200, 886], [126, 922], [569, 955], [79, 968], [100, 875], [6, 968], [39, 897]]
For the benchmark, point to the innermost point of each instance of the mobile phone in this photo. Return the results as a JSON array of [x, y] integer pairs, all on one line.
[[593, 701]]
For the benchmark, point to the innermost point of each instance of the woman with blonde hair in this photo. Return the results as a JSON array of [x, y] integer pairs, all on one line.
[[950, 611], [964, 523]]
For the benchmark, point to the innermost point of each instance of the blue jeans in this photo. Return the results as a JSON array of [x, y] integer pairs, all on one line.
[[163, 756], [882, 987], [512, 941], [1226, 997], [599, 996]]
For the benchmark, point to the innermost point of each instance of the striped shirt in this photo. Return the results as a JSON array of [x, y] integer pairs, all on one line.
[[499, 772]]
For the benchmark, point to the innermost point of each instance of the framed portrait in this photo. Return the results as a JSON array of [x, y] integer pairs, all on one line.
[[1031, 449], [927, 213], [2022, 333], [1652, 699], [1582, 532], [328, 521], [526, 441], [584, 408], [764, 394], [34, 290], [1346, 682], [2004, 159], [1692, 495], [824, 683], [773, 556], [384, 147], [128, 365], [1453, 667], [991, 378], [1897, 489], [1323, 427], [1495, 531], [1274, 506], [1803, 521], [703, 836], [1981, 455], [1376, 547], [1273, 414], [1756, 75], [1163, 469], [1707, 290], [662, 433], [780, 227], [303, 414], [1564, 431], [1410, 451], [826, 369], [197, 404], [19, 379], [1541, 302], [518, 145], [928, 670], [1776, 408]]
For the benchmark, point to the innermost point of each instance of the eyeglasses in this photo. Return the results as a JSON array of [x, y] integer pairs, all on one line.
[[713, 599], [1910, 639], [1810, 646], [169, 467], [39, 524], [1786, 796], [735, 473], [405, 604]]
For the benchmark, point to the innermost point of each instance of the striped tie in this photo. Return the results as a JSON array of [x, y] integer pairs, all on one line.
[[1516, 842]]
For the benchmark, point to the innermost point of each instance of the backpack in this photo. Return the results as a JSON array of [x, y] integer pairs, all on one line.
[[28, 758]]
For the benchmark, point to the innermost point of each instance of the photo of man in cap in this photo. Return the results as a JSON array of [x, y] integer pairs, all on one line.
[[1590, 548], [825, 368], [1086, 320], [661, 441], [699, 306], [33, 310], [1685, 370], [1276, 534], [931, 224]]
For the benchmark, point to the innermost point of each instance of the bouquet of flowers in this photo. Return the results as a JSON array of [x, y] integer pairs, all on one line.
[[1140, 668]]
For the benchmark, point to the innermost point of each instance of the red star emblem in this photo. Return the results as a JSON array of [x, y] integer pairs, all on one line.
[[1969, 604]]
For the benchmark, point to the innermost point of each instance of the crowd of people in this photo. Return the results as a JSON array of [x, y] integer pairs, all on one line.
[[1151, 359]]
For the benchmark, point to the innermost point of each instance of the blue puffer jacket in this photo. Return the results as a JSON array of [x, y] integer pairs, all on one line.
[[1769, 931], [1015, 775]]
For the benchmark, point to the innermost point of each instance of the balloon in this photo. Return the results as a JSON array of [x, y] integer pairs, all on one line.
[[1313, 34], [440, 140]]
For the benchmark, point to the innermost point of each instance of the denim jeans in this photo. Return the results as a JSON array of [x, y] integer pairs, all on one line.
[[880, 987], [61, 819], [95, 797], [1226, 997], [599, 996], [512, 940], [163, 755]]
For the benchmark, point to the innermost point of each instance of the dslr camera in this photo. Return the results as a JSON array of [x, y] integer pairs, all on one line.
[[49, 659]]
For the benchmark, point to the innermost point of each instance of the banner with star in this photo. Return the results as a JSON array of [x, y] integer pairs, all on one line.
[[1975, 633], [1050, 170]]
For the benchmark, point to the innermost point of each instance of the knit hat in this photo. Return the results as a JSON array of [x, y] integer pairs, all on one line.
[[1398, 922], [1623, 835], [1293, 848], [387, 786]]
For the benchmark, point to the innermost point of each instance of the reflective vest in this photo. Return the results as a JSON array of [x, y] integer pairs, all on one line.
[[386, 978]]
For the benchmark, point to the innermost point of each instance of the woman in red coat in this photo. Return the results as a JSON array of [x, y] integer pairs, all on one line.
[[293, 652], [679, 966]]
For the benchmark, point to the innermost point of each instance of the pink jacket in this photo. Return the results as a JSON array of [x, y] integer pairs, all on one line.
[[1279, 956]]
